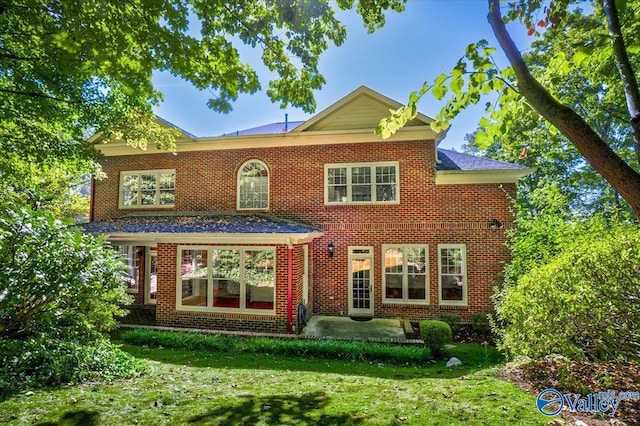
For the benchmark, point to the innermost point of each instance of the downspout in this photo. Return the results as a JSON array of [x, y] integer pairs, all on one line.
[[92, 200], [290, 287]]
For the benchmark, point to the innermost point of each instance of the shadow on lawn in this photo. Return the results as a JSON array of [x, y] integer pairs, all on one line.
[[473, 362], [76, 418], [275, 409]]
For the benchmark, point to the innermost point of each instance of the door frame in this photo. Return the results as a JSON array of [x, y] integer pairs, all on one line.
[[147, 276], [354, 255]]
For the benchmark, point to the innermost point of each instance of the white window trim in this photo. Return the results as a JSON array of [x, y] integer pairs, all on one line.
[[238, 186], [210, 307], [405, 283], [147, 276], [465, 285], [349, 167], [146, 206]]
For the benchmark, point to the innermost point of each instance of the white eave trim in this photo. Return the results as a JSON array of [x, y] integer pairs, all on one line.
[[460, 177], [292, 138], [147, 238]]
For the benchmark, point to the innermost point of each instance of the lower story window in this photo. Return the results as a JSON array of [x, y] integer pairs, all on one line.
[[452, 272], [405, 276], [226, 278], [129, 255]]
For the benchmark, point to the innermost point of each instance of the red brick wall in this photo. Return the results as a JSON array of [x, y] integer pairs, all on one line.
[[427, 214]]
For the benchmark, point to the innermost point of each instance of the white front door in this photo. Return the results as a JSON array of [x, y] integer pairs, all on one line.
[[361, 281]]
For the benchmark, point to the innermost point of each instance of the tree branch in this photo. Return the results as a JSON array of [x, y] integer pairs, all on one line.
[[593, 148], [35, 95], [628, 77]]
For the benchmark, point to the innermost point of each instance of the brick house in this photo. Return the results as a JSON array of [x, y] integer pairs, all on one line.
[[236, 232]]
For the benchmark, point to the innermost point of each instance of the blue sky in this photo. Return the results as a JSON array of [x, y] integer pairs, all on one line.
[[414, 46]]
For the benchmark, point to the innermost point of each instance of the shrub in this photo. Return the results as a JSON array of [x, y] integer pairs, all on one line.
[[480, 322], [583, 303], [454, 321], [436, 334], [59, 292], [323, 348]]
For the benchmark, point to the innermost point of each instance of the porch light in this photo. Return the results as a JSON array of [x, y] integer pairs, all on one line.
[[495, 224], [331, 248]]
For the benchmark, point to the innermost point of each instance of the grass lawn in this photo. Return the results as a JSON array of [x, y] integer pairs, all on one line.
[[187, 387]]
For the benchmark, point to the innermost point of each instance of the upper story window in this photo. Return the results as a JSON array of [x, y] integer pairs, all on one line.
[[361, 183], [147, 188], [253, 186]]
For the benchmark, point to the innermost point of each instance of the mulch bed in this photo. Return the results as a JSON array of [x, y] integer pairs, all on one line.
[[579, 377], [464, 334]]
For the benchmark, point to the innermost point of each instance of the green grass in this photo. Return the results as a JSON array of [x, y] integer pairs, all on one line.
[[231, 388]]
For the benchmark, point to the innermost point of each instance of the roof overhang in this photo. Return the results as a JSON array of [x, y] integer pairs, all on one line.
[[460, 177], [410, 133], [151, 239]]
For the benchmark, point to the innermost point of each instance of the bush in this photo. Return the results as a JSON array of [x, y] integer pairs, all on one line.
[[436, 334], [583, 303], [59, 292], [322, 348], [454, 321], [480, 322]]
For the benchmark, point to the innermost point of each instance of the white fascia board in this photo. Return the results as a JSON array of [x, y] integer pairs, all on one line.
[[273, 140], [146, 238], [460, 177]]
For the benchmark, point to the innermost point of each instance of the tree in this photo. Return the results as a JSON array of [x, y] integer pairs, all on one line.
[[69, 68], [477, 74]]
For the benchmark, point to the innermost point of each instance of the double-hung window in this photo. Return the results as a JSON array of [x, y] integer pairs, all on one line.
[[130, 277], [361, 183], [452, 274], [405, 278], [147, 188]]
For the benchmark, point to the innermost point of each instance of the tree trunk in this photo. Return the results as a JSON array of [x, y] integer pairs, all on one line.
[[624, 179], [629, 82]]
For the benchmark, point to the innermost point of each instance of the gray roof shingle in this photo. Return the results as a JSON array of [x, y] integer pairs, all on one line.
[[267, 129], [452, 160], [231, 223]]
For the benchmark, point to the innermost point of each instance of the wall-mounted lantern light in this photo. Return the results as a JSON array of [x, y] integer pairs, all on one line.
[[495, 224], [331, 247]]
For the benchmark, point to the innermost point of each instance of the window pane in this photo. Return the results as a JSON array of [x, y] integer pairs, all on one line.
[[129, 255], [452, 287], [226, 278], [417, 286], [167, 197], [361, 174], [259, 279], [254, 186], [394, 266], [385, 193], [167, 180], [361, 193], [385, 174], [193, 271], [130, 198], [147, 182], [337, 176], [148, 198], [130, 182]]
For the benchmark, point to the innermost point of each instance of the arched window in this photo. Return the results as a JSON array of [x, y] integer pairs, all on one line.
[[253, 186]]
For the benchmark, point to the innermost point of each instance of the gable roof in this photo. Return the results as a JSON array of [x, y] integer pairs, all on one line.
[[361, 109]]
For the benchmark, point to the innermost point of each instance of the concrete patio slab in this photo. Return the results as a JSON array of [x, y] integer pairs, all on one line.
[[378, 329]]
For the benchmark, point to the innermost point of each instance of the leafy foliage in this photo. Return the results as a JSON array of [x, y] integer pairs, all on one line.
[[480, 322], [329, 348], [59, 292], [436, 334], [454, 321], [577, 296]]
